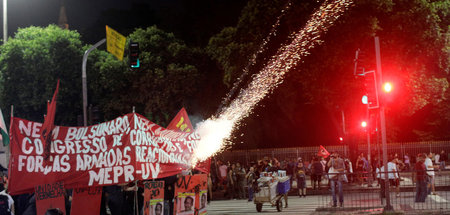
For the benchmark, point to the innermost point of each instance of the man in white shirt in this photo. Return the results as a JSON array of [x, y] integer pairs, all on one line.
[[430, 173], [393, 177]]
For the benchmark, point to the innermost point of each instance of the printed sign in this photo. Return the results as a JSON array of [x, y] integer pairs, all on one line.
[[115, 43], [50, 198], [153, 197], [123, 150], [189, 190], [86, 201]]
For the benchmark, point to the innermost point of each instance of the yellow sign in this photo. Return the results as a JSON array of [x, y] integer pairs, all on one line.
[[115, 42]]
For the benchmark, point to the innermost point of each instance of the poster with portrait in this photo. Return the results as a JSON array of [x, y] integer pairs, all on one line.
[[86, 201], [188, 191], [50, 198], [153, 197], [203, 202], [185, 203]]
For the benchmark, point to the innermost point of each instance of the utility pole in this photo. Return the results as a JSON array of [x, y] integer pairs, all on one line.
[[388, 206], [5, 21], [84, 78]]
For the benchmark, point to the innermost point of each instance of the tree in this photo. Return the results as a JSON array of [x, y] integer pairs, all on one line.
[[168, 79], [31, 63], [413, 36]]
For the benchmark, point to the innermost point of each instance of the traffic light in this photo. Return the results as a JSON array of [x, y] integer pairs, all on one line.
[[134, 55], [360, 63], [370, 84]]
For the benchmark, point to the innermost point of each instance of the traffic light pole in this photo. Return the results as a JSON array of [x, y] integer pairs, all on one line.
[[83, 76], [388, 206]]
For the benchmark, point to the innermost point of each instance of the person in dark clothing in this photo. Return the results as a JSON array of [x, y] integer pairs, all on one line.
[[421, 179], [30, 206], [169, 193], [115, 199], [316, 172], [443, 158]]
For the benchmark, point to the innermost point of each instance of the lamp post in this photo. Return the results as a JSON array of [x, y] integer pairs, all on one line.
[[84, 78], [388, 206], [5, 21]]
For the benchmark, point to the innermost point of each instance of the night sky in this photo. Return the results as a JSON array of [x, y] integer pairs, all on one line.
[[80, 13]]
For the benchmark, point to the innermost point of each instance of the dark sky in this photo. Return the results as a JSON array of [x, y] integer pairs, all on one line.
[[80, 13]]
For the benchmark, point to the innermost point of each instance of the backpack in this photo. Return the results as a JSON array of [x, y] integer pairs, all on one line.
[[4, 205]]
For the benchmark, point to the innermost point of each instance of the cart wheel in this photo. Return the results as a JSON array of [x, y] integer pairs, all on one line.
[[279, 205], [258, 207]]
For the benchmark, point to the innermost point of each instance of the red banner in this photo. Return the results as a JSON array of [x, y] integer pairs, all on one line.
[[123, 150], [50, 197], [191, 195], [153, 197], [86, 201]]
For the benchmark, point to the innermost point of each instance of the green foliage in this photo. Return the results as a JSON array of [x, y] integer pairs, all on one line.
[[31, 63], [414, 49], [166, 81]]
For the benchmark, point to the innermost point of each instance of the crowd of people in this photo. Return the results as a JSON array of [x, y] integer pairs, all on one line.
[[240, 182], [236, 179]]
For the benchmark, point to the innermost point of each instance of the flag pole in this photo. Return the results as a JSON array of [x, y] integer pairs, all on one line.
[[8, 149]]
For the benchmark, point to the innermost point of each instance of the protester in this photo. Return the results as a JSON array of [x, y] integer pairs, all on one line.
[[169, 193], [360, 170], [407, 162], [316, 173], [443, 158], [6, 203], [393, 174], [223, 171], [430, 172], [421, 178], [240, 180], [251, 177], [232, 180], [336, 174], [115, 199], [301, 178], [290, 170]]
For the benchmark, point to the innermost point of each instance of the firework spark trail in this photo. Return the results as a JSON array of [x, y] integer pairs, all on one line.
[[215, 130], [252, 61]]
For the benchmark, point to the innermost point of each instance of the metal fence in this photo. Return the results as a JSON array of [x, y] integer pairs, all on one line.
[[253, 155], [363, 197], [247, 156]]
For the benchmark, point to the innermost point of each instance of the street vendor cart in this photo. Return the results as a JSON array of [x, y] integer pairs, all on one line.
[[272, 190]]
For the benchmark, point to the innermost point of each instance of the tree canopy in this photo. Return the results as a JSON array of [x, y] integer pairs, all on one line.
[[193, 62]]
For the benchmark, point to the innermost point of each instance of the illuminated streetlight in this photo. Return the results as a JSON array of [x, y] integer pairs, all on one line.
[[364, 124], [387, 87]]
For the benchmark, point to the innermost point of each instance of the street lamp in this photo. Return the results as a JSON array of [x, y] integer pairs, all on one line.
[[387, 87], [364, 124]]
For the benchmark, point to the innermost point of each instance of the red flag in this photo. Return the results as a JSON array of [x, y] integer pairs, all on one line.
[[182, 123], [323, 152], [49, 124]]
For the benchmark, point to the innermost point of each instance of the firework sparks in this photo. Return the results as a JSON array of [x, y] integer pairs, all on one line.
[[215, 130]]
